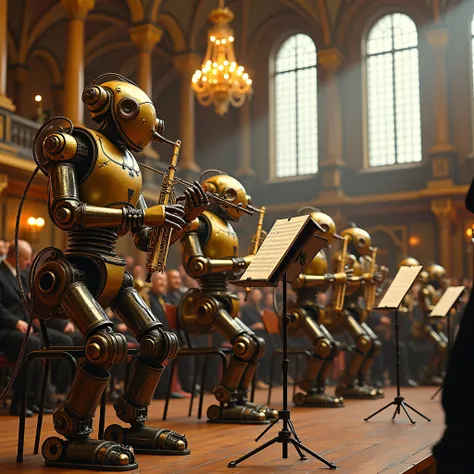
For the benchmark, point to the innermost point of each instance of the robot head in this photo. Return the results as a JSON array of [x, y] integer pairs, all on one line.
[[318, 266], [228, 188], [436, 274], [117, 103], [326, 222], [359, 239], [408, 262]]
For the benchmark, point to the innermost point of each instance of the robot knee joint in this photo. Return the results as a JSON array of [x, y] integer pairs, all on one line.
[[106, 348], [323, 348], [363, 343], [127, 281], [335, 349], [248, 346], [376, 347], [158, 345]]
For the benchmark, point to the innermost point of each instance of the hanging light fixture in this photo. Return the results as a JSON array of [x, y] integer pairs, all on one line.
[[221, 80]]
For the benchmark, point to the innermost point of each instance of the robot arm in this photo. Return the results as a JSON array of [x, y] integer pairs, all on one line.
[[313, 281], [69, 212], [196, 264]]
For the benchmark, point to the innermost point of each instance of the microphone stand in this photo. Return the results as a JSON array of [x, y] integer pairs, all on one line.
[[285, 435]]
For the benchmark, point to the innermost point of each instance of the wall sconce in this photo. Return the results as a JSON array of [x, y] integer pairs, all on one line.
[[414, 240], [39, 109], [35, 226], [469, 232]]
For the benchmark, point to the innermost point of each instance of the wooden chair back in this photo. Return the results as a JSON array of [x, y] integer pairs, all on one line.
[[271, 322], [171, 316]]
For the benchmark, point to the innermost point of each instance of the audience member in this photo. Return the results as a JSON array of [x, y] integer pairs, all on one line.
[[175, 289]]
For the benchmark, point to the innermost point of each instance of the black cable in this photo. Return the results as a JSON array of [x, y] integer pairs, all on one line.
[[21, 288]]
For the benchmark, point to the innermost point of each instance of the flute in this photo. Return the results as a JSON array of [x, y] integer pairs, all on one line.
[[250, 210]]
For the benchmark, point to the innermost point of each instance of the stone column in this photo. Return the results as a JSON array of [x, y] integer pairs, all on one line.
[[58, 98], [186, 64], [442, 153], [74, 69], [445, 213], [245, 119], [5, 101], [330, 165], [145, 38], [21, 72]]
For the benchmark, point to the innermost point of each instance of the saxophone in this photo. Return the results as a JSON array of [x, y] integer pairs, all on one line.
[[160, 238], [370, 286], [256, 242], [341, 288]]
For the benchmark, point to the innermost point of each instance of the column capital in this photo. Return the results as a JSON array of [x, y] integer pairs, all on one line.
[[330, 59], [187, 63], [78, 9], [443, 209], [145, 36], [438, 38], [21, 72]]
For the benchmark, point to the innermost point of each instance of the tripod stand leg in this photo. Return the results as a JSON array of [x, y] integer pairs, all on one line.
[[417, 412], [300, 453], [395, 412], [317, 456], [378, 411], [266, 429], [254, 451], [437, 391], [293, 431], [406, 412]]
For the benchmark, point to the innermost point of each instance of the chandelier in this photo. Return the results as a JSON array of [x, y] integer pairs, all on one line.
[[221, 80]]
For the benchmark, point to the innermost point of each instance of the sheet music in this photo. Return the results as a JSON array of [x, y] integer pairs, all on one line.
[[446, 302], [274, 247], [400, 286]]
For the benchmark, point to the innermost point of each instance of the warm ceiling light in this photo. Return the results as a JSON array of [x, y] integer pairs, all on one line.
[[221, 80], [469, 232], [414, 241], [38, 98], [31, 221]]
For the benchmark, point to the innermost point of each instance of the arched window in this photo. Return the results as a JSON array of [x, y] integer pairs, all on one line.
[[296, 107], [393, 92]]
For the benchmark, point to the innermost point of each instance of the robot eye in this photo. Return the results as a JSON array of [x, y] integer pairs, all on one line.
[[325, 227], [361, 242], [128, 108], [230, 195]]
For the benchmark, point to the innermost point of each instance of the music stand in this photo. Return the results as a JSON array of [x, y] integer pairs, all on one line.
[[443, 309], [392, 299], [286, 251]]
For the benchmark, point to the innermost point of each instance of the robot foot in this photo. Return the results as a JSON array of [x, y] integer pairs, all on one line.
[[356, 391], [147, 440], [89, 454], [270, 413], [237, 414], [318, 399], [379, 390]]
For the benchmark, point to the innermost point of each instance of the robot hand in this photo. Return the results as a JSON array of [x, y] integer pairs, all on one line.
[[378, 277], [240, 264], [168, 216], [194, 200], [349, 271], [340, 277]]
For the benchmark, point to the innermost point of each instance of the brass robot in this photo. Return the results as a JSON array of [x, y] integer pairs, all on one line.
[[431, 328], [210, 249], [354, 381], [308, 320], [95, 195]]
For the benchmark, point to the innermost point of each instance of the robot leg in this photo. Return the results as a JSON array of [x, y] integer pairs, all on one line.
[[156, 345], [73, 418], [315, 395], [348, 387], [248, 375], [364, 371], [245, 349], [431, 375]]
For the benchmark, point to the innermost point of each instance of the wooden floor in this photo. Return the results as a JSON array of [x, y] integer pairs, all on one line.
[[340, 435]]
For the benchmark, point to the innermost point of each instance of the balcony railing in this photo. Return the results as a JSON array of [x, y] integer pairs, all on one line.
[[17, 134]]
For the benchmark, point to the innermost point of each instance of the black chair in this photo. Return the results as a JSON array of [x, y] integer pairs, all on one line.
[[71, 354], [272, 326], [187, 350]]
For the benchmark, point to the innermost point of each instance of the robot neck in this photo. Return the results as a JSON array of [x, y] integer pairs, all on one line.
[[108, 128]]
